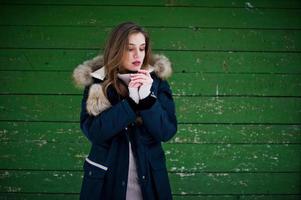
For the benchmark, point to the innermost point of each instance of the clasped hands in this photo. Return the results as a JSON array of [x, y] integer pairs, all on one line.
[[140, 85]]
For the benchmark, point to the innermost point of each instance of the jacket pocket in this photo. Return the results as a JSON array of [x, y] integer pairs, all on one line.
[[93, 180]]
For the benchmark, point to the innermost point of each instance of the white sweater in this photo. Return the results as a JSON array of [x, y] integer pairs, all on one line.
[[133, 190]]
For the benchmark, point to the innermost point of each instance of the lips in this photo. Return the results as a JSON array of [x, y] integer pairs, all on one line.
[[136, 63]]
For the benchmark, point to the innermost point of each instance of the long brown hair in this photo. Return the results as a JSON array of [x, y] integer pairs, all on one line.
[[116, 46]]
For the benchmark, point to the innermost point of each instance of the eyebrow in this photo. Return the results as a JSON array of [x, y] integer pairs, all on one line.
[[134, 44]]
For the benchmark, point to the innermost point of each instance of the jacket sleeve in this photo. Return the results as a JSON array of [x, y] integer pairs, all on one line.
[[107, 124], [160, 120]]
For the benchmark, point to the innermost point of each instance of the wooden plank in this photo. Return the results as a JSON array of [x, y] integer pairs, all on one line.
[[45, 82], [233, 158], [178, 39], [165, 16], [204, 3], [189, 109], [238, 183], [182, 183], [243, 134], [180, 157], [235, 84], [185, 61], [50, 132], [238, 110], [38, 196], [271, 197]]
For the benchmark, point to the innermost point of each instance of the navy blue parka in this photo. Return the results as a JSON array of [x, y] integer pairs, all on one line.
[[112, 127]]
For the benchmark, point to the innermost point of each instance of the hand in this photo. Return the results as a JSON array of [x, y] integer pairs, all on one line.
[[142, 77], [133, 91]]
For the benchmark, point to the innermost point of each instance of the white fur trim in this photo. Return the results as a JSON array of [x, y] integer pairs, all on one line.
[[81, 76], [96, 61], [97, 101], [162, 66]]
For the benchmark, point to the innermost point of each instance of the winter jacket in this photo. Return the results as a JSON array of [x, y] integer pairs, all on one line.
[[110, 123]]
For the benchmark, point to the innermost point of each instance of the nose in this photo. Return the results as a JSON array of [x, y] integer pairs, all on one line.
[[136, 54]]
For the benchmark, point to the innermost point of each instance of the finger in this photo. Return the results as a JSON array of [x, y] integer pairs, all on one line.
[[138, 75], [138, 78], [142, 81], [145, 83], [137, 85], [142, 76], [137, 81], [143, 71], [134, 85], [131, 84]]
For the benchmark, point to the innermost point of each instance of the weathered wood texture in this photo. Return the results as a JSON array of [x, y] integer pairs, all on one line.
[[236, 84]]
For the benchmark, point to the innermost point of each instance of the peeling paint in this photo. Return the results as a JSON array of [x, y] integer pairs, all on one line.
[[185, 174], [12, 189]]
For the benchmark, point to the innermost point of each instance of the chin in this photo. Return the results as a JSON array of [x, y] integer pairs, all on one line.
[[135, 68]]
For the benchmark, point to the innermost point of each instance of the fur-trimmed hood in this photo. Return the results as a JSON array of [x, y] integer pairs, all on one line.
[[97, 101], [83, 74]]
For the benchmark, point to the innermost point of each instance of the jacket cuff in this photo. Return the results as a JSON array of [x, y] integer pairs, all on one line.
[[147, 102]]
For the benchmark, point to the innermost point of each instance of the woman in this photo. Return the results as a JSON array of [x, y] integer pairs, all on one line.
[[127, 111]]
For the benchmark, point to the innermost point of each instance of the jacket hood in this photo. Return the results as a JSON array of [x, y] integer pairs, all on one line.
[[84, 73]]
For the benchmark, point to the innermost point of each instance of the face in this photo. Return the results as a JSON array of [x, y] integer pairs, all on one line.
[[135, 53]]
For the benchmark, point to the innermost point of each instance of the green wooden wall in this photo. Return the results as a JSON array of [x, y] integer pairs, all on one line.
[[237, 87]]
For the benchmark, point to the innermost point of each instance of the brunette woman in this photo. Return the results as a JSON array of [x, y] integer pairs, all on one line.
[[127, 111]]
